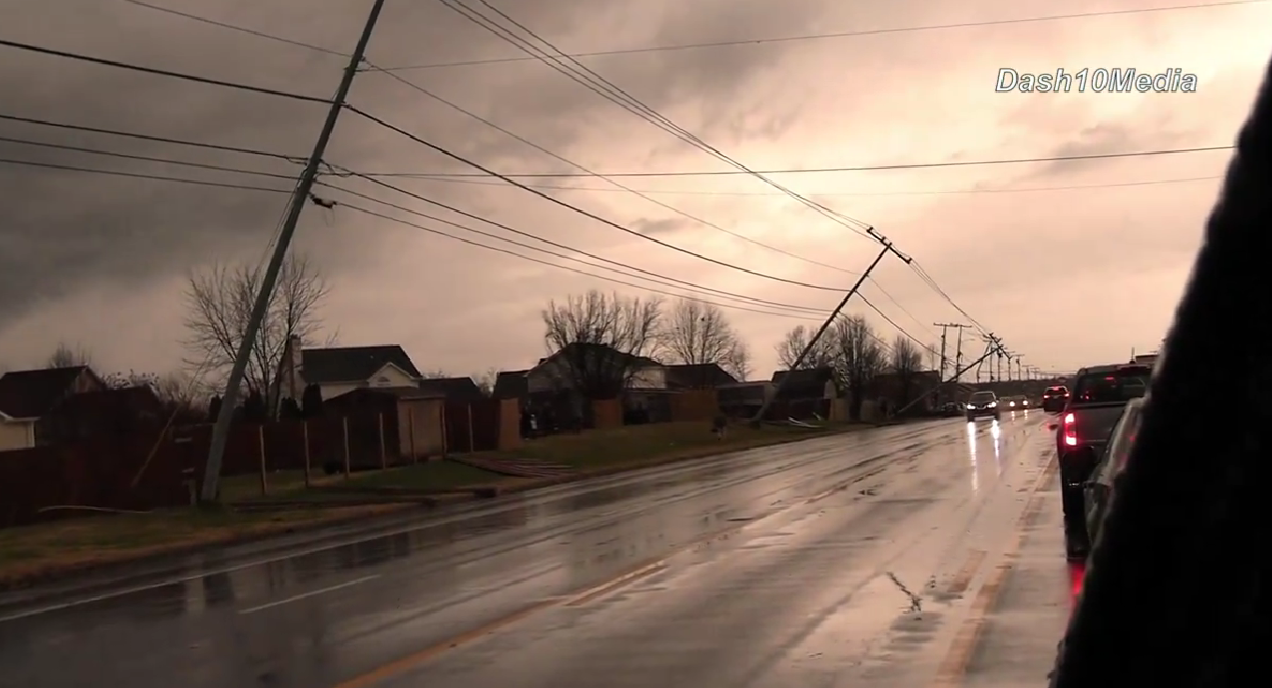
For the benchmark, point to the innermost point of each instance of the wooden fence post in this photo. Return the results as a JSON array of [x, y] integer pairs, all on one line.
[[441, 413], [344, 424], [384, 456], [410, 418], [260, 434], [304, 424], [472, 444]]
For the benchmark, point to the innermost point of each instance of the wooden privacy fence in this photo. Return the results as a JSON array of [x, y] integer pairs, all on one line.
[[94, 475]]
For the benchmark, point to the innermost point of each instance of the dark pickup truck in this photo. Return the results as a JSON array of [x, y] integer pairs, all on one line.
[[1098, 397]]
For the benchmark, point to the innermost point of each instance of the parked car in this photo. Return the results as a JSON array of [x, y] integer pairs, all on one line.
[[982, 404], [1099, 397], [1098, 493], [1055, 398]]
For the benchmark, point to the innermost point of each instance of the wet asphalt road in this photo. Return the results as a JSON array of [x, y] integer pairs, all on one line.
[[848, 560]]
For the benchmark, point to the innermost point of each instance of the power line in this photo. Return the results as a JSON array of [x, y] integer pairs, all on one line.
[[619, 186], [681, 133], [161, 72], [937, 192], [147, 158], [233, 27], [841, 34], [148, 137], [585, 213], [682, 284], [826, 170], [532, 259], [581, 74], [139, 175]]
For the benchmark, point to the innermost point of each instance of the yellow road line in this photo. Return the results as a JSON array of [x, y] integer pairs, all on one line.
[[953, 668]]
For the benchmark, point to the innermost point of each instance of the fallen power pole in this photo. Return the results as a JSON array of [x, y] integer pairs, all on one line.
[[229, 400], [990, 350], [812, 343]]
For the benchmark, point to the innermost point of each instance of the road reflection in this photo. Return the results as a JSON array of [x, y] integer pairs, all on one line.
[[971, 454]]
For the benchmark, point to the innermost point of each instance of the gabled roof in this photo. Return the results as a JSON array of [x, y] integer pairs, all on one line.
[[511, 384], [582, 349], [352, 363], [453, 388], [804, 383], [697, 375], [32, 393]]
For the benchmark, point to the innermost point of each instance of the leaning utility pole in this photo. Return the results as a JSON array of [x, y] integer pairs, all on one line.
[[958, 372], [887, 248], [229, 400]]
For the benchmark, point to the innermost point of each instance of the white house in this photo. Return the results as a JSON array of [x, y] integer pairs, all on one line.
[[338, 370]]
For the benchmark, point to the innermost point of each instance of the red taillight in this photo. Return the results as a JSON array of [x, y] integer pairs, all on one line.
[[1070, 432]]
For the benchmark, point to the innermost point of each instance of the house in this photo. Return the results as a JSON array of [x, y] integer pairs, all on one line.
[[697, 376], [598, 366], [27, 397], [512, 384], [806, 384], [901, 390], [338, 370], [744, 399], [105, 413], [458, 389]]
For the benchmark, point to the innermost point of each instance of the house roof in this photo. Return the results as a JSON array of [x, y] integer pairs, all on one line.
[[582, 348], [397, 392], [32, 393], [804, 383], [453, 388], [698, 375], [352, 363], [511, 384]]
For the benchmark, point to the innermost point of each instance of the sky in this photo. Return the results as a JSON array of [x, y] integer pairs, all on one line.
[[1070, 263]]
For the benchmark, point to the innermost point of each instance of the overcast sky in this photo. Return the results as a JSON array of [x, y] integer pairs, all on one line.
[[1071, 263]]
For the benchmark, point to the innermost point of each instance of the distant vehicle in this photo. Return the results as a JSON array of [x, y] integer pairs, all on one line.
[[1100, 395], [1098, 492], [981, 404], [1017, 403], [1055, 399]]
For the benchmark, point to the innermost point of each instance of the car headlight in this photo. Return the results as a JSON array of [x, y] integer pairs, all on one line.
[[970, 407], [993, 404], [1011, 404], [1025, 402]]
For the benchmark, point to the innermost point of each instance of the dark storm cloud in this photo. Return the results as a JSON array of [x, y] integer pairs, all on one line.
[[659, 227], [64, 232]]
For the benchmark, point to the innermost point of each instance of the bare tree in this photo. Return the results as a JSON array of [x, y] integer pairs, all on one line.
[[905, 363], [219, 303], [698, 333], [793, 344], [64, 356], [738, 362], [601, 339], [858, 357]]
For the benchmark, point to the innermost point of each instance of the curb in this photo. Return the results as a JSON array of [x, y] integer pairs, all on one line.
[[182, 550], [393, 508]]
